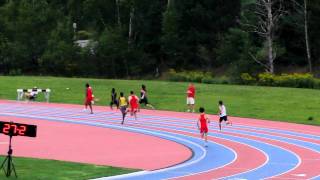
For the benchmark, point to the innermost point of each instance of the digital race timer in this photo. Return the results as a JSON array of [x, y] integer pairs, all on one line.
[[17, 129]]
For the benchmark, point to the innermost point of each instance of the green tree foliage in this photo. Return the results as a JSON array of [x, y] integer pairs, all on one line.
[[314, 19], [61, 53], [170, 39], [234, 51], [26, 24], [112, 50], [4, 55], [191, 27], [134, 38], [99, 14]]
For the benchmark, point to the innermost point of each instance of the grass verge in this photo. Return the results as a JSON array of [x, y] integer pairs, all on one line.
[[39, 169], [273, 103]]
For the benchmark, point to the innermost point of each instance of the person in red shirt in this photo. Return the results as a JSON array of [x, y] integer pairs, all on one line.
[[202, 124], [134, 104], [88, 98], [191, 92]]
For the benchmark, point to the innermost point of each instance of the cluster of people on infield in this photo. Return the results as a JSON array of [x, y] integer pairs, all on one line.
[[132, 104]]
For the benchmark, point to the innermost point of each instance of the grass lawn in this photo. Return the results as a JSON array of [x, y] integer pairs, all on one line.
[[35, 169], [281, 104]]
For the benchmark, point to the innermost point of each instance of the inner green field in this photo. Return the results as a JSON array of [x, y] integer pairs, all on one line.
[[35, 169], [272, 103]]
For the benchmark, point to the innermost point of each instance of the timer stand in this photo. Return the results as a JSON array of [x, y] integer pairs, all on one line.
[[7, 164], [14, 129]]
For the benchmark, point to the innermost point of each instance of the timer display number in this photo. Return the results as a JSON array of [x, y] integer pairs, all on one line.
[[19, 130], [16, 129]]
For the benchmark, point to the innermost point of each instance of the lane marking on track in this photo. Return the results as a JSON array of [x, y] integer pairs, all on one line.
[[141, 130], [108, 114], [63, 119]]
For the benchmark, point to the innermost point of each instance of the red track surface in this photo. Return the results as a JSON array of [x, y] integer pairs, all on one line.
[[95, 145]]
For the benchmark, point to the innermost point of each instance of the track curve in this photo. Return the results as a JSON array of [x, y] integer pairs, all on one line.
[[250, 149]]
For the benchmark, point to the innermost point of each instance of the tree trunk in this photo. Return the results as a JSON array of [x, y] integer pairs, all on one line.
[[307, 36], [118, 13], [130, 37], [102, 20], [269, 36], [270, 55], [169, 4], [131, 26]]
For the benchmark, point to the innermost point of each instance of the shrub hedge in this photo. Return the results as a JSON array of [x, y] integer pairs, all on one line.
[[192, 76], [295, 80]]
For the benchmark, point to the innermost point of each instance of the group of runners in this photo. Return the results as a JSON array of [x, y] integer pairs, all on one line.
[[203, 119], [133, 101], [122, 103]]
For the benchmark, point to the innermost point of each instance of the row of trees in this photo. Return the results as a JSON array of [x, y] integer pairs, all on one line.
[[141, 37], [271, 14]]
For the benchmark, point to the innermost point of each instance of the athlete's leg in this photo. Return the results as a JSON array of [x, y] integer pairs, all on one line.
[[135, 114], [149, 105], [111, 104], [229, 122], [123, 116], [206, 137], [192, 108], [85, 104], [90, 105]]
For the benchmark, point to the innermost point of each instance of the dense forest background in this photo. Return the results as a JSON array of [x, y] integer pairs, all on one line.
[[146, 38]]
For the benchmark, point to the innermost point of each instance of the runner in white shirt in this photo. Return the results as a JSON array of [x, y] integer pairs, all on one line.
[[223, 115]]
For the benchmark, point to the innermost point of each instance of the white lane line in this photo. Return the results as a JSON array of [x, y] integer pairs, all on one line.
[[286, 142], [143, 130], [299, 175]]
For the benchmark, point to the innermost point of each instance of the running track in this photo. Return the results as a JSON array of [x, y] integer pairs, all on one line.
[[166, 145]]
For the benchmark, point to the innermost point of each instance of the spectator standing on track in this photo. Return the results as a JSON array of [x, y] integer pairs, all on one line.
[[88, 98], [114, 100], [202, 124], [191, 92], [223, 115], [133, 101], [123, 106], [144, 97]]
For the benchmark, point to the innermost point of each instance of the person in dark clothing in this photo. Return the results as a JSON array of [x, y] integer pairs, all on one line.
[[144, 97], [114, 100]]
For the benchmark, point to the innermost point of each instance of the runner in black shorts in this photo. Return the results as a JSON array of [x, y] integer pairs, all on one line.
[[114, 100], [144, 97], [143, 100], [223, 115], [223, 118]]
